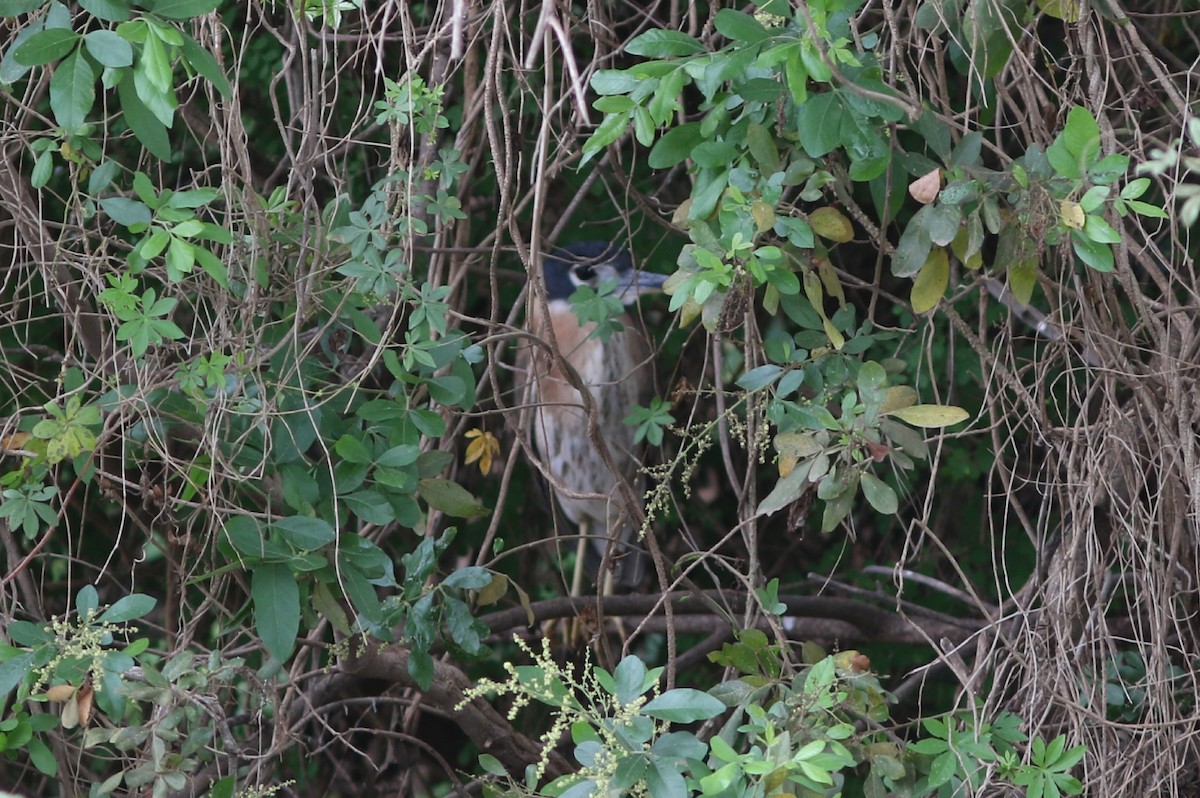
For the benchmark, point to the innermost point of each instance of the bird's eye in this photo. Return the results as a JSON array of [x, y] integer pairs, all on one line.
[[585, 272]]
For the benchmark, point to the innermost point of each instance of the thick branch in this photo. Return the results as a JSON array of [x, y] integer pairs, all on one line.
[[826, 618], [486, 727]]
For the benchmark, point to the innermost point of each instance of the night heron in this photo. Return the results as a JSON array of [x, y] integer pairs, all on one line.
[[615, 368]]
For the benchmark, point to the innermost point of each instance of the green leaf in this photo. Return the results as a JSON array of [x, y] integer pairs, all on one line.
[[1098, 230], [24, 633], [611, 129], [629, 679], [1097, 256], [451, 498], [787, 490], [931, 416], [213, 266], [1022, 279], [665, 780], [72, 92], [132, 606], [935, 132], [932, 281], [1082, 135], [657, 43], [1135, 188], [108, 48], [942, 223], [43, 169], [1066, 10], [1146, 209], [154, 67], [306, 533], [796, 76], [966, 153], [223, 788], [879, 494], [182, 9], [819, 124], [1093, 198], [108, 10], [49, 45], [352, 450], [914, 247], [1108, 169], [371, 506], [760, 377], [276, 600], [181, 257], [15, 8], [360, 592], [10, 69], [762, 147], [102, 176], [86, 600], [204, 63], [739, 26], [145, 126], [942, 769], [683, 705], [471, 577], [13, 670], [159, 100], [614, 81], [126, 212], [928, 747], [448, 390], [41, 757], [1063, 161], [675, 146]]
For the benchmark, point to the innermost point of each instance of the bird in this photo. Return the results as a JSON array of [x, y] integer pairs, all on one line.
[[615, 367]]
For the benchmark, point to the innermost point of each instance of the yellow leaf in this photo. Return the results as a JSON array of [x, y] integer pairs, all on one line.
[[14, 442], [898, 396], [764, 215], [69, 715], [960, 246], [484, 447], [832, 224], [930, 285], [1066, 10], [1072, 214], [814, 292], [931, 416], [829, 279], [493, 591], [680, 217], [816, 297], [523, 597], [689, 312], [60, 692], [85, 695], [835, 335], [674, 281], [1022, 279], [925, 188], [787, 464], [796, 445]]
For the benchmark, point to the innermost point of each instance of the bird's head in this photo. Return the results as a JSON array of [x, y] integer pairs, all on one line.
[[594, 263]]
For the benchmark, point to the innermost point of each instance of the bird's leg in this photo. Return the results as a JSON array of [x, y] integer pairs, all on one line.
[[574, 630], [580, 555]]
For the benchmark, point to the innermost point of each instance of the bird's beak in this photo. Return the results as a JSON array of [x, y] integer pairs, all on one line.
[[632, 284]]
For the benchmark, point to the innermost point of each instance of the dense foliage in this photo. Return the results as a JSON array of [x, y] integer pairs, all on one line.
[[922, 501]]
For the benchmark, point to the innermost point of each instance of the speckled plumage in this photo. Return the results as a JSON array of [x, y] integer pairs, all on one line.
[[619, 375]]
